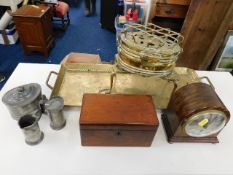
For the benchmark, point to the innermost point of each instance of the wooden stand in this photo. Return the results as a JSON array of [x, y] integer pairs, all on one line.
[[171, 134]]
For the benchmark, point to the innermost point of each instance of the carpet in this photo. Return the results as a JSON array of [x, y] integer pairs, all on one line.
[[84, 34]]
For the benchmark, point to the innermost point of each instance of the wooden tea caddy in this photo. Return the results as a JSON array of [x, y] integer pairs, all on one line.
[[117, 120]]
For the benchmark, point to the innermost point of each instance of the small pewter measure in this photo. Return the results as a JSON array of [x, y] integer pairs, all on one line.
[[30, 127], [26, 104]]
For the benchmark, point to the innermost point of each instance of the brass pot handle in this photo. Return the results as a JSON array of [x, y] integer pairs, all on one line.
[[208, 80], [49, 76]]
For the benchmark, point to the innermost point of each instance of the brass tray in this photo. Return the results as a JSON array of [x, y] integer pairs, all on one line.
[[74, 80]]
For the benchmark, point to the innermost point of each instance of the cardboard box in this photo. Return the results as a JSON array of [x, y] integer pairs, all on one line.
[[73, 58]]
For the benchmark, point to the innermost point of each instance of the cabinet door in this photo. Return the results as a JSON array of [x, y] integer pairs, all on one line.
[[29, 31]]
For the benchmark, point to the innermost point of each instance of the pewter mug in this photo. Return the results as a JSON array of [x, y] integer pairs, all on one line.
[[30, 127], [23, 100], [54, 108]]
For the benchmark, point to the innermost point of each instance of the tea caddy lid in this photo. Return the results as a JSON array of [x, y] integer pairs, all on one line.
[[22, 95]]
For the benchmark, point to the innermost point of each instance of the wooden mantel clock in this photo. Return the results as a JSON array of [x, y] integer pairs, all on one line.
[[195, 114]]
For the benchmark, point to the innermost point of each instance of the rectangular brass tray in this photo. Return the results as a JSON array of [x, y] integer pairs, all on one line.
[[74, 80]]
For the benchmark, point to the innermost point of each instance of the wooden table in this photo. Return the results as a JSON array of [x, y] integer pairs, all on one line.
[[34, 25]]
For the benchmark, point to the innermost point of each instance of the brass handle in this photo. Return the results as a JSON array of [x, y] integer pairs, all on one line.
[[49, 76], [109, 90], [174, 81], [105, 91], [169, 11], [208, 80]]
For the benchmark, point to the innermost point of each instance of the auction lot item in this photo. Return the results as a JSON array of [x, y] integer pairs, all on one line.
[[144, 65], [148, 50], [26, 104], [54, 108], [195, 114], [76, 79], [31, 130], [23, 100], [117, 120]]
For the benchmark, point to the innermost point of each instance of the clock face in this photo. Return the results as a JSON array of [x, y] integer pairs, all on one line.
[[205, 123]]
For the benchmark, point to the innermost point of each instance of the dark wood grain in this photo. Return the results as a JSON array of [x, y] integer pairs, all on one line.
[[117, 120], [180, 2], [184, 103], [194, 98], [31, 11], [34, 26], [206, 23], [171, 10]]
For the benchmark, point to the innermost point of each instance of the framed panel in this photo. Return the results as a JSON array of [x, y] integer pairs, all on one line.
[[225, 54]]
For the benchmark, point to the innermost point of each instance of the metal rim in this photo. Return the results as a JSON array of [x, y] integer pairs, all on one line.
[[13, 93], [209, 128]]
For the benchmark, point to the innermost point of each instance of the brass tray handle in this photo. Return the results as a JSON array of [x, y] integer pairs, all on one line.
[[105, 91], [109, 90], [174, 81], [208, 80], [49, 76], [175, 85]]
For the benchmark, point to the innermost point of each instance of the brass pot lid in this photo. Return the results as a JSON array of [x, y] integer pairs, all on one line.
[[205, 123], [22, 95]]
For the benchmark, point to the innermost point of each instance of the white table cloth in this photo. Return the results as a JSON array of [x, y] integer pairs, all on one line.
[[61, 152]]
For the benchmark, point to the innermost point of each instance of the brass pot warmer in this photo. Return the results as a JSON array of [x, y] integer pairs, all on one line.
[[148, 50]]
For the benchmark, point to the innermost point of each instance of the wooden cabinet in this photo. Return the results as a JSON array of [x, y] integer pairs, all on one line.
[[169, 13], [171, 10], [203, 27], [34, 26]]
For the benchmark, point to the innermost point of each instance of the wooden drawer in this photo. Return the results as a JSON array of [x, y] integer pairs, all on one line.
[[171, 10], [179, 2]]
